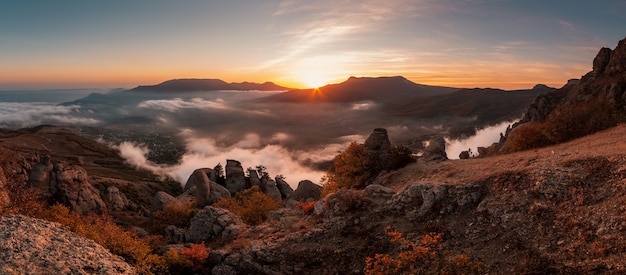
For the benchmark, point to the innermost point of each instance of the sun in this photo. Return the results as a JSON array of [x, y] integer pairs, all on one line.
[[314, 81]]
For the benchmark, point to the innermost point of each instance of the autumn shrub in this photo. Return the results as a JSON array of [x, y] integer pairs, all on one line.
[[251, 205], [352, 168], [307, 207], [426, 256], [196, 254], [399, 156], [527, 136], [103, 231], [175, 213], [570, 121]]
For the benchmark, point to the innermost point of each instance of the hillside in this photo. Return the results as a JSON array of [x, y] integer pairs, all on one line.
[[380, 89]]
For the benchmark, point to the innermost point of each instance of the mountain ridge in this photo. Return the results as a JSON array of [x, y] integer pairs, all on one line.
[[206, 84]]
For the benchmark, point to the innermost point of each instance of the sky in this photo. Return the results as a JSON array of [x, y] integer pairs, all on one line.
[[507, 44]]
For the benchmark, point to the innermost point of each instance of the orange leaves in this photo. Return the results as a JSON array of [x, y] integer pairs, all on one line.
[[424, 257], [251, 205]]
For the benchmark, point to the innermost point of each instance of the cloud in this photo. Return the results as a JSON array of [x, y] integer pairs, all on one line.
[[203, 152], [19, 115], [483, 138], [177, 104]]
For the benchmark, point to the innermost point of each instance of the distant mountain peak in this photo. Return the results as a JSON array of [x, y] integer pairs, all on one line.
[[207, 84]]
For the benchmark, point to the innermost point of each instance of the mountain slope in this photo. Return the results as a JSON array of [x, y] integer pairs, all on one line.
[[354, 89], [196, 85]]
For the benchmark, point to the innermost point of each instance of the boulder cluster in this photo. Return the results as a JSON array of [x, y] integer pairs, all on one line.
[[215, 223]]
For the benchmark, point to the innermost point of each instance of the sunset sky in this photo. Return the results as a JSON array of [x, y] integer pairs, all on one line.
[[464, 43]]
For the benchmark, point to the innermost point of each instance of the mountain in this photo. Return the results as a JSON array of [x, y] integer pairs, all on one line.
[[196, 85], [251, 86], [595, 102], [356, 89], [488, 106]]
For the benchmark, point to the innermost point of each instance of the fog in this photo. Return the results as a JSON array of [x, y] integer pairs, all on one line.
[[202, 129], [204, 152], [29, 114], [483, 138]]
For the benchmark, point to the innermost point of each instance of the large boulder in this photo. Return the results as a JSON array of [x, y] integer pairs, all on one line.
[[160, 200], [254, 177], [268, 187], [207, 192], [210, 173], [378, 146], [66, 184], [235, 177], [285, 190], [307, 191], [213, 223], [436, 149], [35, 246], [116, 199]]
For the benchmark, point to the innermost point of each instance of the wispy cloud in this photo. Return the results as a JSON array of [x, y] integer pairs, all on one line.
[[18, 115]]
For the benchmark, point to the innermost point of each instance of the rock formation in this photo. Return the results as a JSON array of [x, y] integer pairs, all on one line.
[[207, 191], [34, 246], [378, 146], [66, 184], [269, 188], [235, 178], [116, 200], [436, 149], [285, 190], [306, 191], [212, 223]]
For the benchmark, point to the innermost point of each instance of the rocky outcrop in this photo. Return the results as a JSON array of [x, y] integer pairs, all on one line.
[[34, 246], [307, 191], [5, 200], [436, 149], [116, 200], [213, 223], [285, 189], [254, 177], [269, 188], [464, 155], [207, 192], [235, 178], [617, 61], [68, 185], [160, 200], [378, 146], [601, 60]]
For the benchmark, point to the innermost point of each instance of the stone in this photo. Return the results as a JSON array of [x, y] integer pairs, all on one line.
[[378, 146], [174, 234], [210, 173], [235, 177], [69, 186], [464, 155], [268, 187], [307, 190], [160, 200], [601, 60], [285, 189], [378, 194], [207, 192], [35, 246], [116, 199], [436, 149], [254, 177], [617, 62], [5, 200], [212, 223]]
